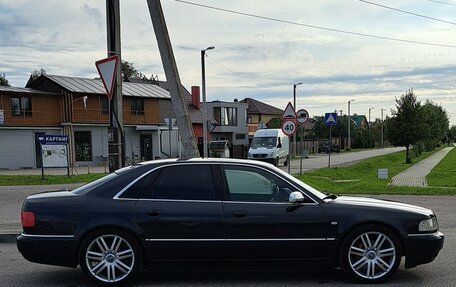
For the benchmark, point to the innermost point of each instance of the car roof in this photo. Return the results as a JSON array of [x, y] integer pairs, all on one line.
[[205, 160]]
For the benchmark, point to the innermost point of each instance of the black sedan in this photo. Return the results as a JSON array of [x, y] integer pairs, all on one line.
[[215, 209]]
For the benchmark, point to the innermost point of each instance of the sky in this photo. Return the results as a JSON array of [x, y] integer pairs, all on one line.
[[253, 57]]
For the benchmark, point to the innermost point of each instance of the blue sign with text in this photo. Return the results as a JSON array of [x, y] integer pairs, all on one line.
[[53, 139]]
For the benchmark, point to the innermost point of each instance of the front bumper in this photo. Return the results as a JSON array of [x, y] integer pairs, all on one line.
[[422, 248], [60, 250]]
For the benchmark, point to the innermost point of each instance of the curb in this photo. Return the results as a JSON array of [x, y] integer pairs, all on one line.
[[8, 238]]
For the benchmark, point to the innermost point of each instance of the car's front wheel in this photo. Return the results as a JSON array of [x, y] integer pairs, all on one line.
[[371, 254], [110, 257]]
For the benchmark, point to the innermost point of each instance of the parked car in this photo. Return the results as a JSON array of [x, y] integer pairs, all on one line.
[[326, 146], [220, 209]]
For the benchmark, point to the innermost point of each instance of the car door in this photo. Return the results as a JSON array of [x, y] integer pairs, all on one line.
[[179, 214], [262, 224]]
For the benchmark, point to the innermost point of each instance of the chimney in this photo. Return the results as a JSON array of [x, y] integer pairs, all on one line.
[[196, 96]]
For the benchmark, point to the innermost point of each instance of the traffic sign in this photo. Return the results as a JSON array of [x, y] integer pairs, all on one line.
[[302, 116], [289, 112], [289, 127], [331, 119], [53, 139], [107, 70], [170, 123]]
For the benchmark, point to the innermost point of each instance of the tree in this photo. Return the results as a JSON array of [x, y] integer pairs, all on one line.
[[452, 134], [436, 124], [405, 128], [37, 73], [4, 81], [128, 70]]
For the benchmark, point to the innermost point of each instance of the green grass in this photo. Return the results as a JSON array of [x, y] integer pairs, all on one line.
[[361, 178], [444, 174], [49, 179]]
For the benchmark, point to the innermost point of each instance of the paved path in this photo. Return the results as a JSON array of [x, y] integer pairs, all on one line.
[[416, 174]]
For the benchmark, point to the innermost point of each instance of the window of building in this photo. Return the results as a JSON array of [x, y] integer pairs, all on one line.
[[104, 105], [137, 106], [240, 136], [226, 116], [182, 182], [83, 145], [21, 106]]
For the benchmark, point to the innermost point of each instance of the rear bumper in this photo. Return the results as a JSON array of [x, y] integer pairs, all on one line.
[[422, 249], [60, 250]]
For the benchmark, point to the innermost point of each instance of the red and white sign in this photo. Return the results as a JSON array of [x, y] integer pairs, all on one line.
[[289, 127], [289, 112], [302, 116], [107, 70]]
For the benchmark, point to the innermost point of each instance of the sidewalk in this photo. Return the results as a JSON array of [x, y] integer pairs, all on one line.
[[56, 171], [416, 174]]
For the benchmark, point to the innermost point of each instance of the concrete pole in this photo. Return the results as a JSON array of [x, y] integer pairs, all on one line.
[[294, 108], [203, 85], [117, 147], [190, 148], [382, 130], [348, 125]]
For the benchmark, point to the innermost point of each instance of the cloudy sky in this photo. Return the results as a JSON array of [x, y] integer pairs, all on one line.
[[253, 57]]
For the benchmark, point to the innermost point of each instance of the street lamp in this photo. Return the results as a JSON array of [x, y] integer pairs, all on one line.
[[294, 107], [382, 129], [370, 114], [349, 123], [203, 77]]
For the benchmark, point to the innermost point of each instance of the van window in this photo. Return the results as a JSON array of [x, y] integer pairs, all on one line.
[[268, 142]]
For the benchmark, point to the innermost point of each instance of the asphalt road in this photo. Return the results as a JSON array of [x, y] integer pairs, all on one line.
[[321, 160], [16, 271]]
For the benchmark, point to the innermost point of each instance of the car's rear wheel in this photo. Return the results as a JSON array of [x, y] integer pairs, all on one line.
[[371, 254], [110, 257]]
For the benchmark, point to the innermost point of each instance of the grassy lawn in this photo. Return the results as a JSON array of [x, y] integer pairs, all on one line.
[[49, 179], [444, 174], [361, 178]]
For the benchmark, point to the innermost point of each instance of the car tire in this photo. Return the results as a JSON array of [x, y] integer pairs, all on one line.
[[285, 163], [276, 161], [370, 254], [110, 257]]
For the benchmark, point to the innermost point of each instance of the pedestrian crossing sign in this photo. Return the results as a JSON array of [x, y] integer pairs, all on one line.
[[331, 119]]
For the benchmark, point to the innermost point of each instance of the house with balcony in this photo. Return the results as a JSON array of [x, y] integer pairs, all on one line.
[[231, 118], [79, 108]]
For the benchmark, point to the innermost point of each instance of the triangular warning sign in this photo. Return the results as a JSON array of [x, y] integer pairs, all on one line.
[[107, 70], [330, 119], [289, 112]]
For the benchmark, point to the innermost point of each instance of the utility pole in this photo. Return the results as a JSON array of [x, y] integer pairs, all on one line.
[[382, 130], [294, 107], [116, 142], [190, 148], [349, 124], [203, 84]]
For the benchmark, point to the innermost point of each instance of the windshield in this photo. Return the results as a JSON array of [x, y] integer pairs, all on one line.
[[267, 142]]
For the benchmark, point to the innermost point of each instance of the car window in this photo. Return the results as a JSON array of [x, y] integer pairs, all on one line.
[[255, 185], [184, 182]]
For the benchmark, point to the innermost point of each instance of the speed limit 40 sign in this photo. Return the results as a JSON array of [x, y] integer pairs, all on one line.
[[289, 127]]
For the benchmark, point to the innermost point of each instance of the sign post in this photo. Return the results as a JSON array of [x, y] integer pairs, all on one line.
[[302, 117], [330, 120], [170, 123], [289, 127]]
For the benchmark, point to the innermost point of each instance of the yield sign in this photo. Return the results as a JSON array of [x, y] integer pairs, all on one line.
[[289, 112], [107, 70]]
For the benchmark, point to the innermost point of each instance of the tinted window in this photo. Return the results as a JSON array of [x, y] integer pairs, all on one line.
[[255, 185], [185, 182]]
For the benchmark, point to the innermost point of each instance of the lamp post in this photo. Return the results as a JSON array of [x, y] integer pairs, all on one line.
[[381, 139], [349, 123], [203, 80], [294, 107], [370, 115]]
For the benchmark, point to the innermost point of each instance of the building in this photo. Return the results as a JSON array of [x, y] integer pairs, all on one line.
[[78, 107], [259, 114], [231, 118]]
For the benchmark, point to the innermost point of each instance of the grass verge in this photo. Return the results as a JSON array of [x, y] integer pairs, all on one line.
[[361, 178], [444, 173], [49, 179]]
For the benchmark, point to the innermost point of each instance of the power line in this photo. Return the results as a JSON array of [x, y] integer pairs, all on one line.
[[231, 71], [407, 12], [314, 26], [441, 2]]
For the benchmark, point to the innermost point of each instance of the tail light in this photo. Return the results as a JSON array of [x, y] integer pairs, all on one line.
[[27, 219]]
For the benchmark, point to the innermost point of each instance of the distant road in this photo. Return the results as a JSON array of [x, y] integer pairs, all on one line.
[[316, 161]]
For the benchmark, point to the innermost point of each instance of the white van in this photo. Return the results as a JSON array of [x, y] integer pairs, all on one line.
[[269, 145]]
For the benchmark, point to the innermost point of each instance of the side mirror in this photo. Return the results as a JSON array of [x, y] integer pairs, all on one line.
[[295, 197]]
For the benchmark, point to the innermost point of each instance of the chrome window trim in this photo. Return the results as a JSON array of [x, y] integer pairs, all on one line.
[[208, 163], [173, 200], [236, 239], [47, 236]]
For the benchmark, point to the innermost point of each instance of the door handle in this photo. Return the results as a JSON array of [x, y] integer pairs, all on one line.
[[240, 213], [153, 212]]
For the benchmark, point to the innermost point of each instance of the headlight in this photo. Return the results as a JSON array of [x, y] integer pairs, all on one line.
[[430, 224]]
